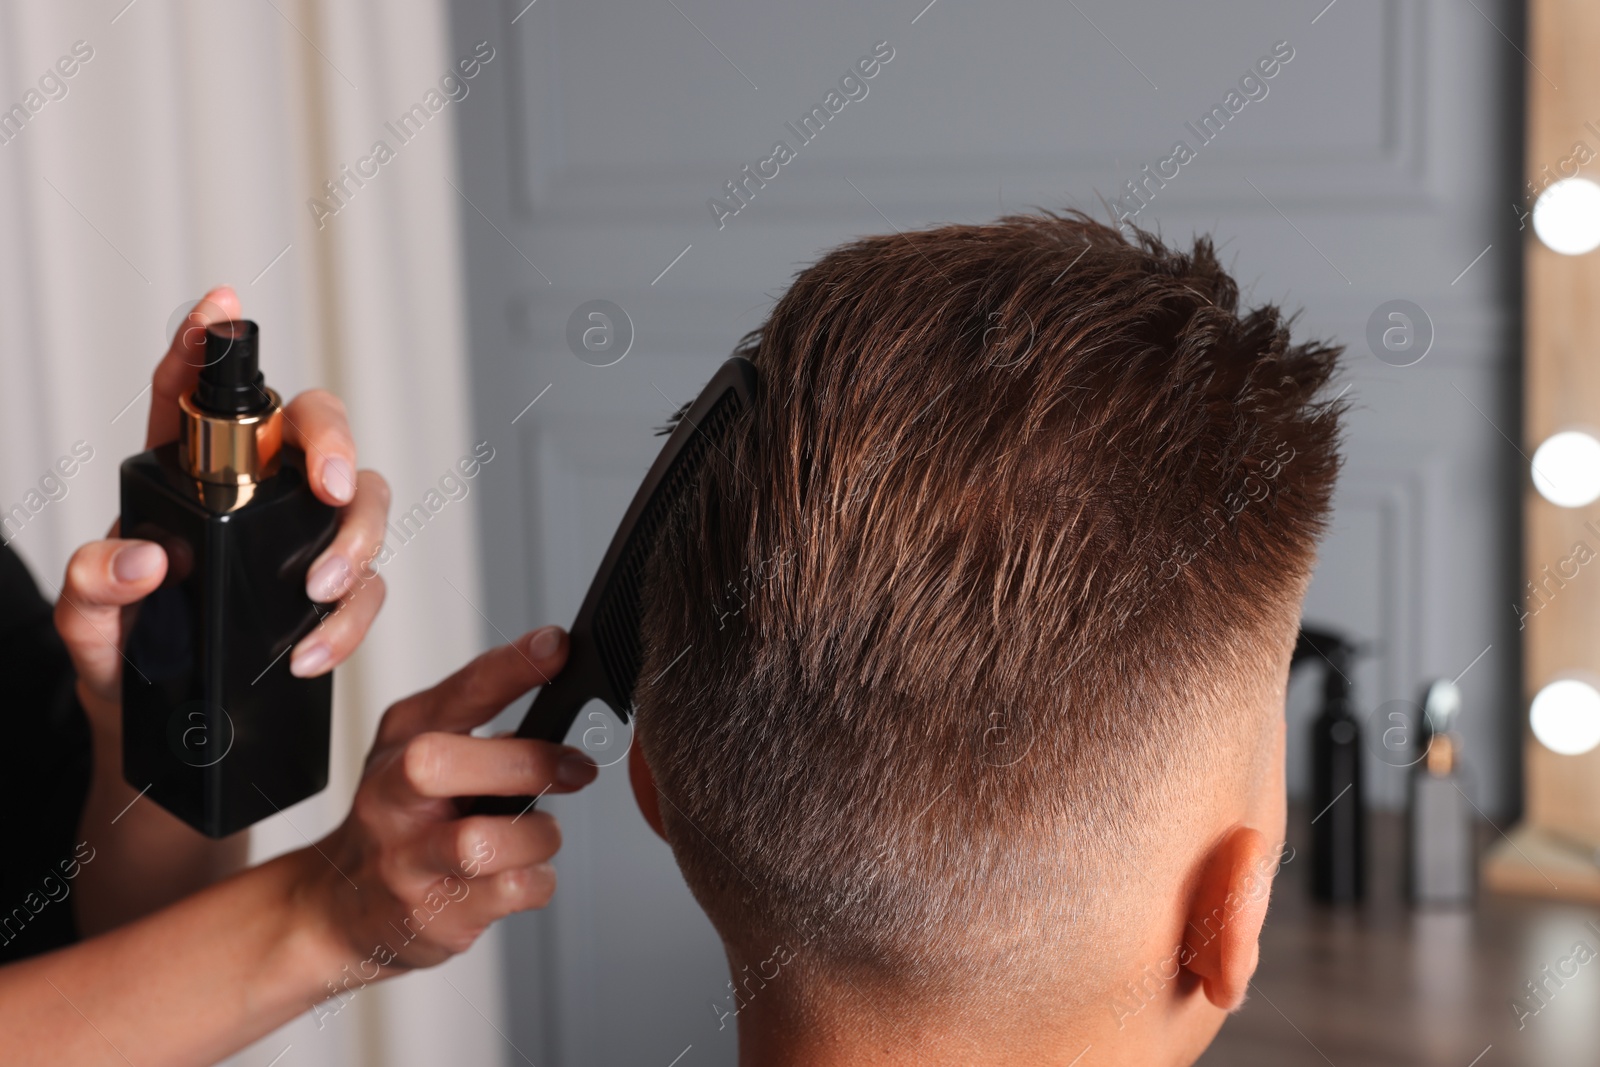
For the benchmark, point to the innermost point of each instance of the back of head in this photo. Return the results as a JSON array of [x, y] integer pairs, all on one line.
[[1020, 510]]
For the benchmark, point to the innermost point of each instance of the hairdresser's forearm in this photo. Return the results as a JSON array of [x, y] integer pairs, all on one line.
[[187, 985], [144, 858]]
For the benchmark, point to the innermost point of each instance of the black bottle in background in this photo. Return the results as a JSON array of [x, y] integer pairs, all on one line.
[[213, 723], [1338, 829]]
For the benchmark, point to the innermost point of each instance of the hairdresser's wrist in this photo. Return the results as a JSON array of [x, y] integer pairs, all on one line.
[[317, 948]]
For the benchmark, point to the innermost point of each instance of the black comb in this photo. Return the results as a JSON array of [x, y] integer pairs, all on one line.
[[604, 655]]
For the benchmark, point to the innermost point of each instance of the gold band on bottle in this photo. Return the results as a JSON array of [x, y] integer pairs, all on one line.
[[230, 450], [1441, 754]]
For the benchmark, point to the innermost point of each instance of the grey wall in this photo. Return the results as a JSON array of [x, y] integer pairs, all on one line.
[[1381, 164]]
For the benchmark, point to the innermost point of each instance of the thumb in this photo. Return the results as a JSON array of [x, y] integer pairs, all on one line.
[[102, 578]]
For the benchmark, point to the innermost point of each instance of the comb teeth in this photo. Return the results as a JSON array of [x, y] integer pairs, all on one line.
[[616, 626]]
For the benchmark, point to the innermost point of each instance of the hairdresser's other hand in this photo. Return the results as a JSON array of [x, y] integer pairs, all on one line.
[[105, 577], [408, 881]]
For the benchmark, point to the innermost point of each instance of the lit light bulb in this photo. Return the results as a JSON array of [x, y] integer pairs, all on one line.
[[1567, 216], [1565, 717], [1566, 469]]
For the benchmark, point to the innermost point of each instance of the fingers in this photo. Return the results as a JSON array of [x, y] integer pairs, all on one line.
[[315, 422], [490, 898], [102, 577], [361, 531], [459, 909], [337, 636], [446, 876], [485, 845], [114, 572], [179, 370], [503, 858], [478, 691], [521, 890], [343, 573], [437, 764]]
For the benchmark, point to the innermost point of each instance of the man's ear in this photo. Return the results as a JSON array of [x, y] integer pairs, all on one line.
[[1225, 916], [644, 789]]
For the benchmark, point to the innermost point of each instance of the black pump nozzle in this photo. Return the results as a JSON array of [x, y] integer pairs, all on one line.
[[231, 381], [1337, 652]]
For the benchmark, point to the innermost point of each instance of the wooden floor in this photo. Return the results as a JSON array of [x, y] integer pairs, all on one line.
[[1385, 985]]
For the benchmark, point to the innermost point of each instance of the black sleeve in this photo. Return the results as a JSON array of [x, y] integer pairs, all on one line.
[[44, 771]]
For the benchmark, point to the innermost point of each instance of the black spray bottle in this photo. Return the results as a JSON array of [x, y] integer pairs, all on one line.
[[213, 724], [1338, 828]]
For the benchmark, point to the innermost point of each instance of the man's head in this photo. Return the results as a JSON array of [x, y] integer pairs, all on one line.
[[965, 664]]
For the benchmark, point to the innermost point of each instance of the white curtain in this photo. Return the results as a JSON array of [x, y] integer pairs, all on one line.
[[180, 153]]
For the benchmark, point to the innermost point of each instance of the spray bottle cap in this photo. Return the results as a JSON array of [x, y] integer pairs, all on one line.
[[231, 430], [1441, 704], [1338, 652], [231, 381]]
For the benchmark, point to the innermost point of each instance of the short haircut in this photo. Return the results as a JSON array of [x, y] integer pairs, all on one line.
[[1017, 508]]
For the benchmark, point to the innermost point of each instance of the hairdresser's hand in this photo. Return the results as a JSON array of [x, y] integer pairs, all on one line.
[[408, 881], [105, 577], [148, 858]]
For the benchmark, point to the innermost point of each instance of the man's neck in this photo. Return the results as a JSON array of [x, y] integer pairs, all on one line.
[[774, 1032]]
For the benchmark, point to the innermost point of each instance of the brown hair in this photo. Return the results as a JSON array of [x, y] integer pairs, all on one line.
[[1015, 501]]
